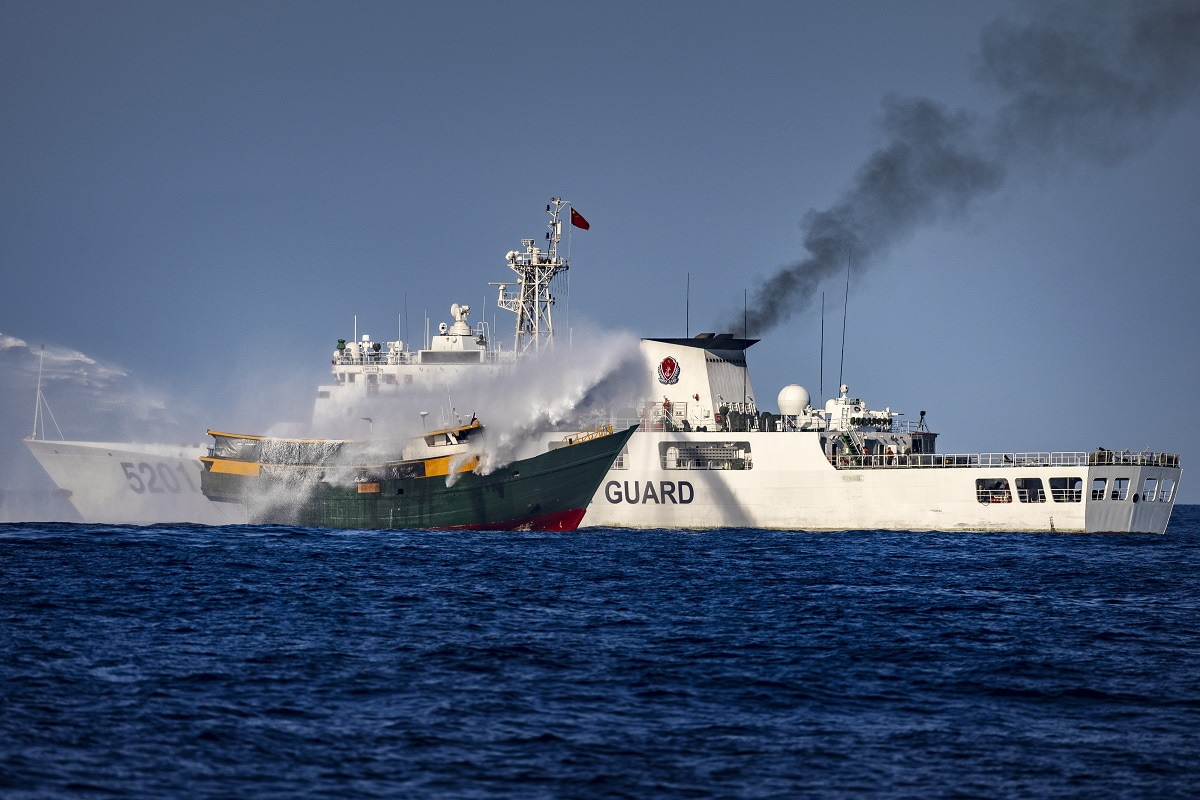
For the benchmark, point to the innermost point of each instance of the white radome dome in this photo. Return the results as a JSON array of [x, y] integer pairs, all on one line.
[[793, 399]]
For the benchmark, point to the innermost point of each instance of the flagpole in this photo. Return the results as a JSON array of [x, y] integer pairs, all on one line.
[[570, 236], [570, 233]]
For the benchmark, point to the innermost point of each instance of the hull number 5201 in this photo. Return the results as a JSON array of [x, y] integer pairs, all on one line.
[[157, 478]]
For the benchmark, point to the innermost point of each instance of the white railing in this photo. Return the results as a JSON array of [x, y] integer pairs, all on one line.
[[1143, 459], [1069, 459], [1077, 459], [370, 357], [653, 418], [408, 357]]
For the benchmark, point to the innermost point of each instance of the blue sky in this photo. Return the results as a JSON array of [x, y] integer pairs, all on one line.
[[198, 198]]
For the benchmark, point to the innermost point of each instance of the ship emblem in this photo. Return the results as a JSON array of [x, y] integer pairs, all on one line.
[[668, 371]]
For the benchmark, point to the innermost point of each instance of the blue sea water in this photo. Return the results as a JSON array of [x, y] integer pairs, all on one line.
[[268, 662]]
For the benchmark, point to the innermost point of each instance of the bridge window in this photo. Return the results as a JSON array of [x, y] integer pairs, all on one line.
[[992, 490], [1149, 489], [1120, 490], [1029, 490], [1166, 492], [1066, 490], [1098, 485], [688, 455]]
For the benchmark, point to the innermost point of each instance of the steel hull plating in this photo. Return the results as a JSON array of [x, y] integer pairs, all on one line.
[[547, 492], [789, 484], [128, 483]]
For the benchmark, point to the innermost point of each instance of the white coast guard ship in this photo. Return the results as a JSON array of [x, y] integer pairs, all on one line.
[[705, 456]]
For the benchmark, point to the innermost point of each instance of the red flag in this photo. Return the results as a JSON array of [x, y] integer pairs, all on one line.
[[578, 221]]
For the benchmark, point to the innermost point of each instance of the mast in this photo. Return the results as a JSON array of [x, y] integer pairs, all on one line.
[[37, 403], [536, 269], [39, 417]]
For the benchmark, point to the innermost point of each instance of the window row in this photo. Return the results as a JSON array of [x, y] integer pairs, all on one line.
[[1070, 490], [1118, 489], [705, 455]]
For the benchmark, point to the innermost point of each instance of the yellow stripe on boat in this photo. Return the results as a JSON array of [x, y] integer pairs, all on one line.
[[228, 467], [435, 467]]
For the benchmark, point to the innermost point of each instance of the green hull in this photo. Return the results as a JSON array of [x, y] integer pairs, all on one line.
[[550, 491]]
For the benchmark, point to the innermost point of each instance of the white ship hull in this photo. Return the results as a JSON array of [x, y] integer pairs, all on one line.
[[129, 483], [846, 467], [790, 485]]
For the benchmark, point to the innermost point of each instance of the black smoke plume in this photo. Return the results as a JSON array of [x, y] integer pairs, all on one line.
[[1093, 81]]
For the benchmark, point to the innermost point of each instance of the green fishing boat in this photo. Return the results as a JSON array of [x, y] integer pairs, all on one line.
[[439, 480]]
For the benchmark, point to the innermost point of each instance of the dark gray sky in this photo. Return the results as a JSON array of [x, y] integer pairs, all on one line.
[[198, 198]]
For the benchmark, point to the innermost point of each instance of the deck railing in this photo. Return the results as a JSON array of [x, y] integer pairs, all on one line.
[[1141, 459], [849, 461], [1079, 458], [384, 358], [1069, 459]]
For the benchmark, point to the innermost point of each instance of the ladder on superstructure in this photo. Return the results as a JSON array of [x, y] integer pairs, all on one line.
[[536, 270]]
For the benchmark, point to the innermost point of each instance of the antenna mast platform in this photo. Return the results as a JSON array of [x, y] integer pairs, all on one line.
[[535, 269]]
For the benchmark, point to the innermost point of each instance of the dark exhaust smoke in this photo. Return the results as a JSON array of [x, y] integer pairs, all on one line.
[[1094, 82]]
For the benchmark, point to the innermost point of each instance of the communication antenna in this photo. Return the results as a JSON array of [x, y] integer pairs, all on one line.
[[745, 335], [821, 360], [845, 309], [687, 308]]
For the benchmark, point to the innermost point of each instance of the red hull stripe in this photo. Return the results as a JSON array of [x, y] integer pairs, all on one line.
[[559, 521]]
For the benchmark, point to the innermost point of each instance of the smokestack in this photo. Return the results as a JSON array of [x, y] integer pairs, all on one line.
[[1092, 83]]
